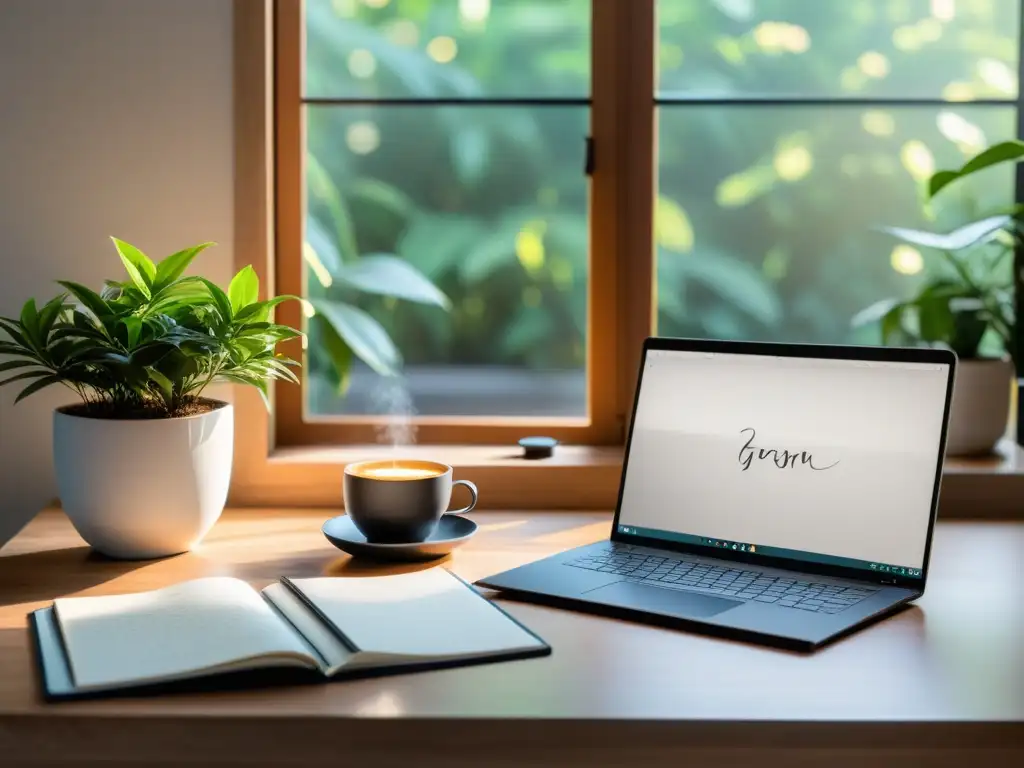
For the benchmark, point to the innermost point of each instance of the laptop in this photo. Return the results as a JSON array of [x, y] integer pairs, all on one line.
[[777, 493]]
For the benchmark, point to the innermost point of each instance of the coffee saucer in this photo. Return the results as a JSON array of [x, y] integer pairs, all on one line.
[[451, 531]]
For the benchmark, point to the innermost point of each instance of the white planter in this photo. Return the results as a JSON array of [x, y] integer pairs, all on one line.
[[143, 488], [981, 406]]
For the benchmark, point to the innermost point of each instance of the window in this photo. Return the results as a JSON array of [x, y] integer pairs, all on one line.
[[742, 158], [452, 135], [790, 132]]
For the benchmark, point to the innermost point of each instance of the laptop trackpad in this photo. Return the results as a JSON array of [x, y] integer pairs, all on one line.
[[669, 602]]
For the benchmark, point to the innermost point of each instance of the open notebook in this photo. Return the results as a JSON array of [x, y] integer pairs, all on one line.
[[339, 627]]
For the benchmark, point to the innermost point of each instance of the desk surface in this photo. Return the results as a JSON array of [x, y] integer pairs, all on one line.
[[950, 668]]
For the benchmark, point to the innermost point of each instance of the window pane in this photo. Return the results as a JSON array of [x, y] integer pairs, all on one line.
[[448, 48], [956, 49], [767, 218], [488, 202]]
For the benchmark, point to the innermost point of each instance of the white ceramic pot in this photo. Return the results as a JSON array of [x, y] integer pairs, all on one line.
[[981, 406], [143, 488]]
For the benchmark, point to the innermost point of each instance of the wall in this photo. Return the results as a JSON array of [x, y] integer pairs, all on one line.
[[115, 119]]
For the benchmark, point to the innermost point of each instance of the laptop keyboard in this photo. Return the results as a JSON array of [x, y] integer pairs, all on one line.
[[675, 572]]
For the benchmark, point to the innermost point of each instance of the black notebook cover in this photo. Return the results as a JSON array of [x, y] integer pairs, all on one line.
[[52, 661]]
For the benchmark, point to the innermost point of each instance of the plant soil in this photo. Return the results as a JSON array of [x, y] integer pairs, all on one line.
[[106, 410]]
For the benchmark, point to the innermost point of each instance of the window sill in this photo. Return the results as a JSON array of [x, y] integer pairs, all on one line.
[[575, 477], [989, 487], [581, 477]]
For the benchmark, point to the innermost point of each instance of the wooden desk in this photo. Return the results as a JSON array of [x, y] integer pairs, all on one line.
[[942, 683]]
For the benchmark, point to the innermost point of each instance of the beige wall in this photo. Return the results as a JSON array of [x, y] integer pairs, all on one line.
[[115, 119]]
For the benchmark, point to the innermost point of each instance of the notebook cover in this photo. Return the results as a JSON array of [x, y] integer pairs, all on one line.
[[265, 678]]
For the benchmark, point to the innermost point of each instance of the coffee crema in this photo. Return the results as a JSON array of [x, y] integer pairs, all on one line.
[[398, 470]]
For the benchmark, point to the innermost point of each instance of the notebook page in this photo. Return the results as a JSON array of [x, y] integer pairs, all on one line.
[[426, 614], [172, 633]]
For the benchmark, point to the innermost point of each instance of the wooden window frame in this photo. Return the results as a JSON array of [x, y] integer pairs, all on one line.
[[281, 461], [616, 268]]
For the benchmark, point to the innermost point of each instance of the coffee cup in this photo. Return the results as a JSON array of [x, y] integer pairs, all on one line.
[[400, 500]]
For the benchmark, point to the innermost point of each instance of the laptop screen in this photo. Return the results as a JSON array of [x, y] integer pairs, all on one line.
[[821, 460]]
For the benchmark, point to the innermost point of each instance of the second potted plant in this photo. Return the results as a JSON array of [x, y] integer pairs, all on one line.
[[964, 305]]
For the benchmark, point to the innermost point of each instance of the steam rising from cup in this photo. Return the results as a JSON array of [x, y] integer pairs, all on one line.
[[393, 400]]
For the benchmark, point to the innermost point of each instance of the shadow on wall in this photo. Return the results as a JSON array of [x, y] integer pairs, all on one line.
[[26, 462]]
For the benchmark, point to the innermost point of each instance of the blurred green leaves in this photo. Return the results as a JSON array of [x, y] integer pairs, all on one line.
[[1004, 152], [746, 295], [972, 295], [344, 330], [363, 335]]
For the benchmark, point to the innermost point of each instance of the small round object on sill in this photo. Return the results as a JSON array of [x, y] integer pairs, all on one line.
[[538, 447]]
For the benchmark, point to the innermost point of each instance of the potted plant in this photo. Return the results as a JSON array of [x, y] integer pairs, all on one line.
[[966, 305], [143, 460]]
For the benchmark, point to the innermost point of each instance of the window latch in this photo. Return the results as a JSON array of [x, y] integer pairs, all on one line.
[[588, 163]]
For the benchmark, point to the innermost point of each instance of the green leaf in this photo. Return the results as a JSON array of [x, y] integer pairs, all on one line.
[[323, 189], [48, 315], [10, 365], [250, 345], [177, 365], [151, 354], [35, 386], [260, 311], [58, 353], [364, 335], [135, 376], [165, 385], [172, 267], [1006, 151], [11, 328], [10, 348], [324, 260], [244, 288], [338, 352], [249, 381], [997, 153], [873, 313], [30, 323], [391, 276], [373, 194], [89, 298], [964, 237], [76, 332], [176, 294], [892, 324], [935, 319], [138, 265], [133, 326], [940, 180], [278, 369], [269, 331], [25, 375], [969, 329], [220, 299]]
